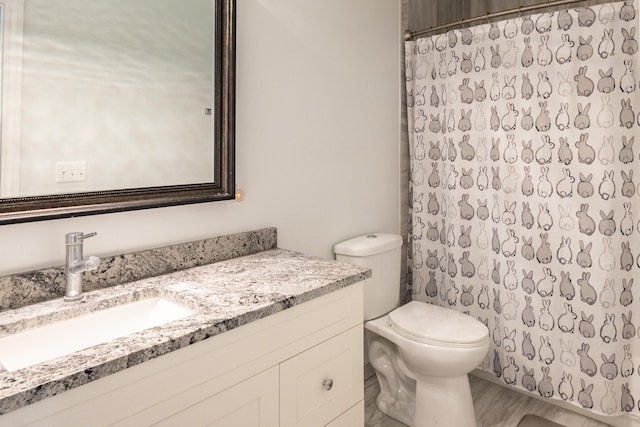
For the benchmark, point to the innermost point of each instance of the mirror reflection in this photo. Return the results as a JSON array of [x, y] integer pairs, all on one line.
[[106, 95]]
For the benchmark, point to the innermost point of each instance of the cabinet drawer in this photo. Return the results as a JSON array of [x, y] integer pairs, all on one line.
[[323, 382]]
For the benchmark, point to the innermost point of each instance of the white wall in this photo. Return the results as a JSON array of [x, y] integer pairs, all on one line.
[[318, 131]]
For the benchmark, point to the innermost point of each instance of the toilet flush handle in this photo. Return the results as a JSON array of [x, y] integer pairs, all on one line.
[[327, 384]]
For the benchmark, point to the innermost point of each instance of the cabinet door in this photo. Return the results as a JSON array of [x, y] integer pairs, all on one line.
[[251, 403], [321, 383], [353, 417]]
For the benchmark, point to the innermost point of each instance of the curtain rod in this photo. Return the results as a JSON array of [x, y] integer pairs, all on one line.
[[409, 35]]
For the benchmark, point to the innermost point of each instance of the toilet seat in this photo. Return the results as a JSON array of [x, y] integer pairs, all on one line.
[[431, 324]]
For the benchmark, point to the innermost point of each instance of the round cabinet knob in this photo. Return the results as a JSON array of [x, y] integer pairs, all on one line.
[[327, 384]]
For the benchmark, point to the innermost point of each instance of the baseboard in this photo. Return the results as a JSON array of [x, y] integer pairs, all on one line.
[[368, 371]]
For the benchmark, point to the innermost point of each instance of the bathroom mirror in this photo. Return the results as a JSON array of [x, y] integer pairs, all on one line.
[[115, 105]]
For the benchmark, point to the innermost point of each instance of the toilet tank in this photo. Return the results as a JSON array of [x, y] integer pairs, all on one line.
[[381, 253]]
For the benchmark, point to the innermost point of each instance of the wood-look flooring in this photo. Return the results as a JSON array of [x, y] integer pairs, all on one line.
[[495, 406]]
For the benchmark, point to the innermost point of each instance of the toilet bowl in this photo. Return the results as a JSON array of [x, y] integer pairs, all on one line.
[[421, 353], [436, 360]]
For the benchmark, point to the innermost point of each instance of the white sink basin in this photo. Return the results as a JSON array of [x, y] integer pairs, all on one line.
[[47, 342]]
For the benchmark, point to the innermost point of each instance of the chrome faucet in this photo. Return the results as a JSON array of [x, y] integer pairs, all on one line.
[[75, 265]]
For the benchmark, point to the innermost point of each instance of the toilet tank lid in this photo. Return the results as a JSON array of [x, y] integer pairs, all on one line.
[[369, 244]]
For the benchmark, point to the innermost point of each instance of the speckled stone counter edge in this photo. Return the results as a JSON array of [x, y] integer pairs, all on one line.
[[19, 290], [223, 295]]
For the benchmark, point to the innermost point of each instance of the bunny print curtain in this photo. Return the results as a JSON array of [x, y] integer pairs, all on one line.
[[526, 204]]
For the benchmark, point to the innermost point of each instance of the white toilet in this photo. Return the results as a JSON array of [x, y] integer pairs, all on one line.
[[421, 353]]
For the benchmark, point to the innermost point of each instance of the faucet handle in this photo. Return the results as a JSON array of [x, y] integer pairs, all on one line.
[[77, 237], [92, 263]]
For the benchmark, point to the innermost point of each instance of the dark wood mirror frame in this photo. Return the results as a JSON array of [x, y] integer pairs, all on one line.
[[25, 209]]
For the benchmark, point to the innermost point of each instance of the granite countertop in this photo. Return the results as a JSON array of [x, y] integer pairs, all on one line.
[[223, 296]]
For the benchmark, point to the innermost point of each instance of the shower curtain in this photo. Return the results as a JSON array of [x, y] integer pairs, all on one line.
[[525, 173]]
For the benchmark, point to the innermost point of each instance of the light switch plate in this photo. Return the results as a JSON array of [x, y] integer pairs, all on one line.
[[71, 171]]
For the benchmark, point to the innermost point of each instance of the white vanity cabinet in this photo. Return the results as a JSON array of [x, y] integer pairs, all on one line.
[[253, 402], [299, 367]]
